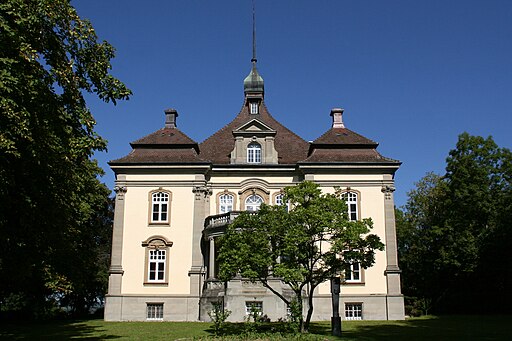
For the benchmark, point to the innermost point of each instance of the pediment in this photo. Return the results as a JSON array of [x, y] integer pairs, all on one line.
[[254, 126]]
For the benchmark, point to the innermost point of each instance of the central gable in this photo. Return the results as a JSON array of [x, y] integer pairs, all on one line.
[[254, 127], [254, 144]]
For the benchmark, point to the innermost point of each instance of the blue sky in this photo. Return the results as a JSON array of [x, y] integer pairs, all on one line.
[[411, 75]]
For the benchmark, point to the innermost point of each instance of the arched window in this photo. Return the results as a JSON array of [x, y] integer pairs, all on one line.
[[157, 260], [254, 153], [352, 202], [253, 202], [225, 203], [160, 207]]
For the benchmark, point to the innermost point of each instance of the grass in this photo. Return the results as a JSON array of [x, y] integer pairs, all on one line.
[[465, 328]]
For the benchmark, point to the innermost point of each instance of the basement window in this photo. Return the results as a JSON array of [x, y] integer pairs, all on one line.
[[353, 311], [155, 311]]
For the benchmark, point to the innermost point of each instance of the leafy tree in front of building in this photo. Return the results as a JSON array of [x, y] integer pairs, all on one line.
[[50, 199], [305, 245]]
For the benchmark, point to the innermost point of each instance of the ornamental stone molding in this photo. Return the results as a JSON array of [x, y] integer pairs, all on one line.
[[204, 191], [120, 191], [388, 190]]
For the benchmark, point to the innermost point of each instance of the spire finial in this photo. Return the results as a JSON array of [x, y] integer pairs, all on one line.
[[253, 34], [253, 83]]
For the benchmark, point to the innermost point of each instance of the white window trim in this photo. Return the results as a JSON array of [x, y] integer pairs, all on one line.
[[224, 205], [253, 108], [160, 204], [154, 311], [255, 203], [352, 200], [151, 245], [158, 257], [353, 311], [349, 277], [250, 304], [254, 153]]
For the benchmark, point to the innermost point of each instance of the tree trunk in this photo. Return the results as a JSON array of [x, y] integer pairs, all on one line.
[[302, 328], [310, 308]]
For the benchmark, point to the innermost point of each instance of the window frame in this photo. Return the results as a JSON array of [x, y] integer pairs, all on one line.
[[281, 195], [250, 304], [151, 199], [258, 207], [352, 212], [219, 204], [254, 153], [156, 243], [158, 313], [359, 271], [254, 108], [350, 309]]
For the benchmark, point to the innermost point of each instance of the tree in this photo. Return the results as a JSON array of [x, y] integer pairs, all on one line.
[[304, 246], [455, 229], [50, 191]]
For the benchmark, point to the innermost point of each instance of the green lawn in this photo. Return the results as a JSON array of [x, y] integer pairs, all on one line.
[[465, 328]]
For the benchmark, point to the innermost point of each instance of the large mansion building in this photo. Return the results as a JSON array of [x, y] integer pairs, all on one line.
[[174, 198]]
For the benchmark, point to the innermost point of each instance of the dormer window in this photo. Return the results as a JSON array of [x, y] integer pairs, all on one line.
[[253, 107], [254, 153]]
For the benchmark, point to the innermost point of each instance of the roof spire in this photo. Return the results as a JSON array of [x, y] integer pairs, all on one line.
[[253, 83], [254, 60]]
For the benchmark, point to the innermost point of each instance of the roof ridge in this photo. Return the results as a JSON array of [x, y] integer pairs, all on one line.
[[225, 126], [291, 131]]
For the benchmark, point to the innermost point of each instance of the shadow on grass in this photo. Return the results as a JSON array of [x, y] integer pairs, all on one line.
[[466, 328], [53, 330]]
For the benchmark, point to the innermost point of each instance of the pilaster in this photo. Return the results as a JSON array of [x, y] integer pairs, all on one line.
[[392, 270], [116, 267], [201, 210]]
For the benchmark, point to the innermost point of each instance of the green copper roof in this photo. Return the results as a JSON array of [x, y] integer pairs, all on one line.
[[253, 83]]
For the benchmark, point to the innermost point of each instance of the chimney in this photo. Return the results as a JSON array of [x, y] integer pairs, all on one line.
[[337, 118], [170, 118]]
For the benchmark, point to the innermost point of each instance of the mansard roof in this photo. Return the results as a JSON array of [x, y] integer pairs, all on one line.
[[342, 145], [289, 146], [166, 145]]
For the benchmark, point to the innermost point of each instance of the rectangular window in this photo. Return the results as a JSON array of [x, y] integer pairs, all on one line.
[[160, 207], [354, 274], [225, 203], [351, 198], [253, 307], [254, 108], [155, 311], [156, 266], [353, 311], [254, 153]]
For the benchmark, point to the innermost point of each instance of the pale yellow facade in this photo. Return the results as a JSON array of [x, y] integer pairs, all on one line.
[[168, 216]]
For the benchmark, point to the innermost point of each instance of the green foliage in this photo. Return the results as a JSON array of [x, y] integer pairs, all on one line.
[[454, 230], [304, 246], [54, 212], [218, 315]]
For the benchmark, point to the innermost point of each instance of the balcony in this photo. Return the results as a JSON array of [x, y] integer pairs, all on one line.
[[215, 225]]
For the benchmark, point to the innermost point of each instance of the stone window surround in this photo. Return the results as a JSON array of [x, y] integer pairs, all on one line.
[[244, 194], [150, 208], [152, 243], [254, 153], [358, 193], [226, 191]]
